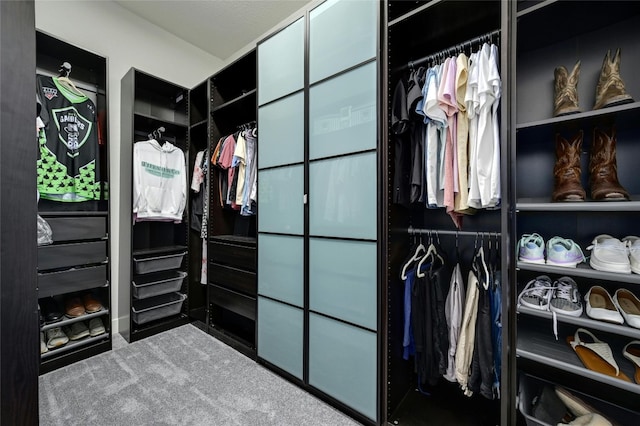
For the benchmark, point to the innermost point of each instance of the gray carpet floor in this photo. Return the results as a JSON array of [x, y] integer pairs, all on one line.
[[179, 377]]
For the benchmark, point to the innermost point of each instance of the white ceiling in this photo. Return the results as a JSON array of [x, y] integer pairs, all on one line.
[[220, 27]]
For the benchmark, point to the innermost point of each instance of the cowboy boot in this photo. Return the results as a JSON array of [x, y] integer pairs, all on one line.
[[566, 90], [566, 173], [603, 169], [610, 89]]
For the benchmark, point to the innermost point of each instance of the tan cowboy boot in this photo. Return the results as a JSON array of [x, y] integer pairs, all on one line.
[[603, 169], [610, 89], [566, 90], [567, 171]]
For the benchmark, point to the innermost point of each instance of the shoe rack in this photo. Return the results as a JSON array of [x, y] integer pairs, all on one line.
[[76, 264], [153, 292], [552, 34]]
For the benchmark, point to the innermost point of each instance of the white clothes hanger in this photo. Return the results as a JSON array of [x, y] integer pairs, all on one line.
[[417, 254], [432, 251]]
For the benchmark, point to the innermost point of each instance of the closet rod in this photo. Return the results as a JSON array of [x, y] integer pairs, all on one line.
[[420, 231], [484, 37]]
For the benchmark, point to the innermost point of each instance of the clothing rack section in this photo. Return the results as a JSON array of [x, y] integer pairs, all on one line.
[[445, 130], [466, 46], [156, 284], [230, 212], [74, 294]]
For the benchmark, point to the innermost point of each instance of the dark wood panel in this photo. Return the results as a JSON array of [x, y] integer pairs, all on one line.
[[52, 283], [233, 278], [235, 302], [67, 255], [77, 228], [19, 357], [239, 256]]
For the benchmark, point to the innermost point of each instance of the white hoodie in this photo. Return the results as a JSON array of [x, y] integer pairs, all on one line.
[[159, 181]]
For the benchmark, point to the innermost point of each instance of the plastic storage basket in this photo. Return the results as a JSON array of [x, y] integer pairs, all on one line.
[[157, 307], [164, 262], [157, 283]]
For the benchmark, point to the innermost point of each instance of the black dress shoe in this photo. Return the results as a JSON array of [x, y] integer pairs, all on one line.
[[51, 311]]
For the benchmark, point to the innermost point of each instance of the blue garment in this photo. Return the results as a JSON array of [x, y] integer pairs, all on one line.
[[408, 343], [496, 329]]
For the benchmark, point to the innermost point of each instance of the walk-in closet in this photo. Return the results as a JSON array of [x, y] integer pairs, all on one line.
[[412, 212]]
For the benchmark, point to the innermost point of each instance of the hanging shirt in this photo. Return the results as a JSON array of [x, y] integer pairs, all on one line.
[[400, 129], [240, 161], [68, 167], [251, 172], [454, 307], [437, 122], [159, 181], [466, 339], [449, 104], [496, 85], [484, 153], [462, 134], [472, 101]]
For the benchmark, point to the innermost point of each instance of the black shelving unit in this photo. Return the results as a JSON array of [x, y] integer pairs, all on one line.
[[148, 104], [77, 262], [232, 284], [601, 26]]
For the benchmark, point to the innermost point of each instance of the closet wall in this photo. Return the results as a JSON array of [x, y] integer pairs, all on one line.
[[596, 28], [317, 224], [75, 264], [147, 48], [424, 34], [18, 257]]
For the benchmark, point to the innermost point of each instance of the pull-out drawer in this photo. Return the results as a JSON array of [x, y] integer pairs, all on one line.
[[77, 279], [74, 228], [233, 250], [66, 255], [233, 278], [233, 301]]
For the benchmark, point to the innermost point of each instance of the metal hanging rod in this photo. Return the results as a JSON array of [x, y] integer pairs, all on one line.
[[450, 50], [419, 231]]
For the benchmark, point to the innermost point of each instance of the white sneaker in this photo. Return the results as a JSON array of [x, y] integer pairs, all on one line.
[[564, 252], [566, 298], [56, 338], [77, 330], [634, 253], [95, 327], [537, 293], [43, 345], [600, 306], [609, 254]]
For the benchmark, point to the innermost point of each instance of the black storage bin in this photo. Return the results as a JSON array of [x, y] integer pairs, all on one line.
[[76, 279], [77, 228], [58, 256], [157, 283], [157, 307], [145, 265], [233, 250]]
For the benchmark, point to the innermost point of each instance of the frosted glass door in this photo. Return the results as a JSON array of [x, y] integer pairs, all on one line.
[[281, 63], [280, 335], [342, 363], [280, 194], [343, 114], [280, 268], [341, 34], [281, 130]]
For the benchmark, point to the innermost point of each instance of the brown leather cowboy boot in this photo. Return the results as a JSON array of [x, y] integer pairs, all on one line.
[[566, 173], [603, 169], [565, 86], [610, 89]]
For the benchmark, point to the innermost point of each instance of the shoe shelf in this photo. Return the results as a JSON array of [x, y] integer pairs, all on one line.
[[545, 204], [582, 321], [581, 270], [68, 321], [585, 119], [541, 347], [74, 344]]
